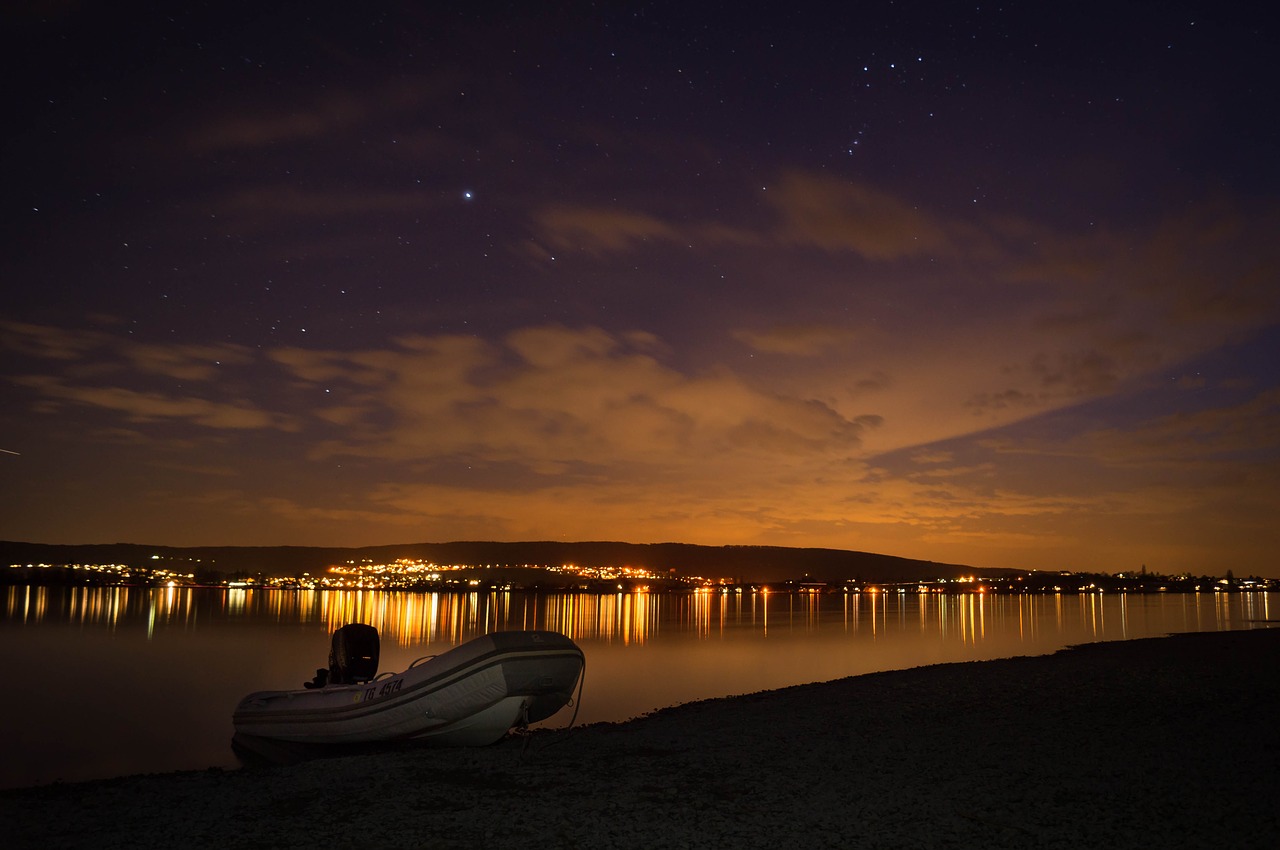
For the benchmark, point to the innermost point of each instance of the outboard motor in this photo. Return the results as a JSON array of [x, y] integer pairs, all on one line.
[[353, 656]]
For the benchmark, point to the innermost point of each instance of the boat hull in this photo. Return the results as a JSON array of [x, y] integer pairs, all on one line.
[[471, 695]]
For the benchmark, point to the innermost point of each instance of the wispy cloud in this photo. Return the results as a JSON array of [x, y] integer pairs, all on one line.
[[796, 340], [141, 382], [846, 216], [96, 351], [240, 127], [596, 230], [155, 407], [46, 342], [190, 362]]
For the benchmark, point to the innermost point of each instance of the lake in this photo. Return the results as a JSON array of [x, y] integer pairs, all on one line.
[[114, 680]]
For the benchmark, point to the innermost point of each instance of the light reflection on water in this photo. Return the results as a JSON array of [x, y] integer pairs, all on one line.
[[141, 679], [634, 619]]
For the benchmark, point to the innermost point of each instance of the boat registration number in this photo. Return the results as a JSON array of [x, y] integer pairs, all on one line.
[[387, 689]]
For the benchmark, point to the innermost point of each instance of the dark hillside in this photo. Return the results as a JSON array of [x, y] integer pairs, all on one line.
[[742, 563]]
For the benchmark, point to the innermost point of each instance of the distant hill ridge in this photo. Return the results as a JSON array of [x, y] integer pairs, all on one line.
[[743, 563]]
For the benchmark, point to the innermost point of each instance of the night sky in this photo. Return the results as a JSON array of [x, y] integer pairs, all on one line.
[[986, 284]]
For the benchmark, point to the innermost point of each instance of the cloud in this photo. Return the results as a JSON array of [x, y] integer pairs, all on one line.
[[811, 211], [795, 340], [950, 326], [846, 216], [185, 362], [932, 457], [45, 342], [85, 352], [1242, 431], [597, 230], [559, 398], [143, 382], [310, 118], [154, 407], [1170, 490], [1046, 382]]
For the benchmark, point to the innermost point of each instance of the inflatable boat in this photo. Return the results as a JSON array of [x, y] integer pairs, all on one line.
[[471, 695]]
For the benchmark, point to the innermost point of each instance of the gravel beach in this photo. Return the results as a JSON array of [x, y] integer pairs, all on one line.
[[1161, 743]]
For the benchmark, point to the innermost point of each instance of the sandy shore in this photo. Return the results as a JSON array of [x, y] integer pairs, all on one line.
[[1170, 742]]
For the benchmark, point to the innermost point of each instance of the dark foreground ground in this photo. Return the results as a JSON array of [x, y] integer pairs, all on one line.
[[1170, 742]]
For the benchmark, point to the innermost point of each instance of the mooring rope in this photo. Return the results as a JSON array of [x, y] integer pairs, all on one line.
[[560, 735]]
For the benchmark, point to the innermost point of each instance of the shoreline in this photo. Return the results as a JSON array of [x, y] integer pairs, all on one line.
[[1160, 742]]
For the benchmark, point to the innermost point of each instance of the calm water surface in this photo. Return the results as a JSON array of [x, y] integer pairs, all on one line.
[[112, 681]]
